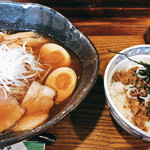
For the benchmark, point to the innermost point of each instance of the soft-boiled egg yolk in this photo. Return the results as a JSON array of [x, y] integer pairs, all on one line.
[[63, 80]]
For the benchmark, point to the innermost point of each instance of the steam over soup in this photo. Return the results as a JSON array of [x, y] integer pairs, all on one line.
[[130, 90], [36, 75]]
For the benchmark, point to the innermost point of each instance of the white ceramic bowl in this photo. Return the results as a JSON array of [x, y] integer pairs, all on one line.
[[136, 51]]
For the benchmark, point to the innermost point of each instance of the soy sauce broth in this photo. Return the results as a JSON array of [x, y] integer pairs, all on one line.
[[75, 64]]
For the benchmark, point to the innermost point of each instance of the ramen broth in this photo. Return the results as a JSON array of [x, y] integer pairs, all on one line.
[[41, 76]]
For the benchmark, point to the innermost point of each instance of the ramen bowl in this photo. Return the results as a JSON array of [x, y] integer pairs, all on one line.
[[17, 17], [120, 62]]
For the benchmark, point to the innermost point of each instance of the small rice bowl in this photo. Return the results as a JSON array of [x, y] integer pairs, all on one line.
[[117, 92]]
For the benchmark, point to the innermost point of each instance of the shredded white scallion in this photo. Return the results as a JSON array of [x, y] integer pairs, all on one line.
[[16, 65], [130, 88]]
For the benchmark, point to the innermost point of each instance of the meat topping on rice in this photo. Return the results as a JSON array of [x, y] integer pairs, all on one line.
[[136, 94]]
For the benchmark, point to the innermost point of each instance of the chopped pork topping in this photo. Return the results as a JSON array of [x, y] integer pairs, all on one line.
[[135, 98], [126, 77]]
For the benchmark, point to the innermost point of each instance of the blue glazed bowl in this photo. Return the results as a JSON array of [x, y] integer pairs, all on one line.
[[135, 51], [27, 16]]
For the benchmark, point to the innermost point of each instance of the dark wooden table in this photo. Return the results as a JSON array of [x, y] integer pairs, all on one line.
[[90, 126], [109, 24]]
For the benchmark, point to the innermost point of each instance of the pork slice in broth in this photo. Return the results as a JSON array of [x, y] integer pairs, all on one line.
[[31, 121], [37, 106], [10, 111], [32, 92], [43, 102]]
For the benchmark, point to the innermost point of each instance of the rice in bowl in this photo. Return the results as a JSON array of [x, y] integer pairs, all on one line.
[[128, 96]]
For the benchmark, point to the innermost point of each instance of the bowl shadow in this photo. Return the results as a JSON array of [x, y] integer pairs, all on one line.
[[85, 117]]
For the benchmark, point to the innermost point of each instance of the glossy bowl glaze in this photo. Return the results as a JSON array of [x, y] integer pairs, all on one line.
[[135, 52], [44, 20]]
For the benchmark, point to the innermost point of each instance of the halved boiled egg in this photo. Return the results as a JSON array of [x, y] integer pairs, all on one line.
[[55, 55], [63, 80]]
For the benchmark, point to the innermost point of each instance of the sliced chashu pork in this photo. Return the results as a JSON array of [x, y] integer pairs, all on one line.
[[31, 121], [37, 102], [40, 99], [32, 92], [10, 111]]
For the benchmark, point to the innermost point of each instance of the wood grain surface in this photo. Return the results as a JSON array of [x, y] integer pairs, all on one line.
[[109, 24], [90, 126]]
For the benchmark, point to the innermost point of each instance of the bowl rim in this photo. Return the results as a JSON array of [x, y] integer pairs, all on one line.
[[136, 129], [80, 98]]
